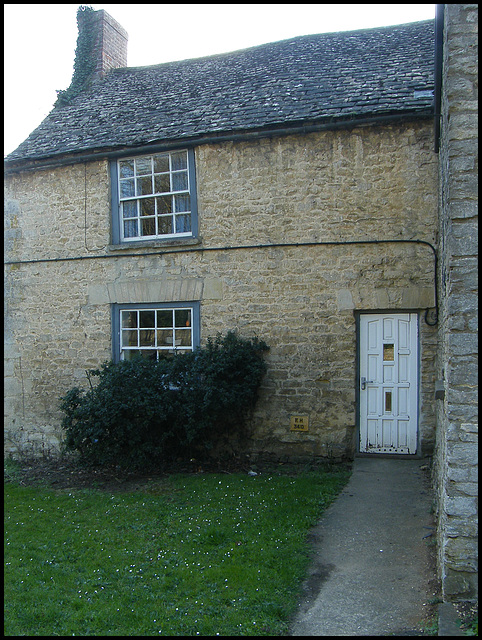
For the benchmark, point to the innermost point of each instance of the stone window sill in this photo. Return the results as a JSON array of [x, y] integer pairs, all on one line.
[[155, 244]]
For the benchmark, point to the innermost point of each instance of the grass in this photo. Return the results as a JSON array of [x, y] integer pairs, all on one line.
[[210, 554], [470, 626]]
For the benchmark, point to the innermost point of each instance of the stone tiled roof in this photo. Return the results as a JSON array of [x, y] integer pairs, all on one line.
[[322, 78]]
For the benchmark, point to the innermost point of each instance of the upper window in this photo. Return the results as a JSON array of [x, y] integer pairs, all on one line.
[[154, 196]]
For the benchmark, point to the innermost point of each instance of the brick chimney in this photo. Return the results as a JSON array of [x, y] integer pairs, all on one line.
[[107, 39], [101, 46]]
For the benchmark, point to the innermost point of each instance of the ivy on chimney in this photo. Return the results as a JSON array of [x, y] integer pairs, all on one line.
[[85, 64]]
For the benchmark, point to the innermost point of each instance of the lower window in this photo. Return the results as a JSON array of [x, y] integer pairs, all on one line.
[[155, 331]]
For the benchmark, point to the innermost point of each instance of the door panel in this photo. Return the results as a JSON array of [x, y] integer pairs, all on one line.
[[388, 350]]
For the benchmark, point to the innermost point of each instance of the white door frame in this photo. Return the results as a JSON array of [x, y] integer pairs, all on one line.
[[388, 374]]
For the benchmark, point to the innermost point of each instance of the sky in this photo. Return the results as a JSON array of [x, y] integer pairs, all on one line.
[[40, 41]]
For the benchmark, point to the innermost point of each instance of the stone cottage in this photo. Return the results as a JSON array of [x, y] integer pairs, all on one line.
[[289, 191]]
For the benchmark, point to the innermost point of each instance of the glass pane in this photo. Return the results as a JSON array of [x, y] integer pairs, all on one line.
[[388, 352], [183, 224], [162, 183], [149, 354], [164, 204], [146, 338], [129, 209], [148, 227], [130, 354], [129, 319], [164, 337], [129, 338], [130, 229], [147, 207], [144, 186], [126, 168], [127, 189], [183, 337], [166, 354], [388, 401], [165, 225], [179, 160], [182, 203], [143, 166], [164, 318], [183, 317], [161, 163], [147, 319], [179, 181]]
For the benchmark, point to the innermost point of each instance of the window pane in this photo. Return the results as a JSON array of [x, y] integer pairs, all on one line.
[[166, 354], [149, 354], [129, 319], [164, 204], [148, 227], [130, 229], [126, 168], [164, 225], [144, 186], [147, 319], [146, 338], [183, 224], [389, 352], [130, 354], [179, 181], [127, 189], [183, 337], [143, 166], [147, 207], [129, 338], [129, 209], [164, 338], [183, 317], [162, 183], [182, 203], [388, 401], [164, 318], [161, 163], [179, 160]]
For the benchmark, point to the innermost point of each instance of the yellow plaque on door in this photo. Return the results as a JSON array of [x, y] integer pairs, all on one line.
[[299, 423]]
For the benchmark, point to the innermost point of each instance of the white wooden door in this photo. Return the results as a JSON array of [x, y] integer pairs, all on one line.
[[388, 382]]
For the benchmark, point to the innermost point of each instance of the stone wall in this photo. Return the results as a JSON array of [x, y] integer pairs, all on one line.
[[370, 183], [456, 452]]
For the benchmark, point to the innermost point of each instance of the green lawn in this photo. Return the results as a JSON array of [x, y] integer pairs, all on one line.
[[208, 554]]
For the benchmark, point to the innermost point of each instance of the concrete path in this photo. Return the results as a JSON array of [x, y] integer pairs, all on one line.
[[371, 572]]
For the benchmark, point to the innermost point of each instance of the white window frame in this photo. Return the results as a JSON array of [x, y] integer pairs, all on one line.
[[160, 347], [129, 204]]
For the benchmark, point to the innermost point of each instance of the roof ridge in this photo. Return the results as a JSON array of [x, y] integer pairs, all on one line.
[[276, 42]]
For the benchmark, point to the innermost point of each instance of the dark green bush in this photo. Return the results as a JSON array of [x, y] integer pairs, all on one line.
[[142, 413]]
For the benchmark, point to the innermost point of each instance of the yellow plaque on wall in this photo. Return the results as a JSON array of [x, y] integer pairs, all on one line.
[[299, 423]]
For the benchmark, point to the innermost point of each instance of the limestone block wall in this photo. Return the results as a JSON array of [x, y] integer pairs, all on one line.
[[457, 367], [63, 275]]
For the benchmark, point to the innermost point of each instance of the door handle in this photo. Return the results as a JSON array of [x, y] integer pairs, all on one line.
[[364, 382]]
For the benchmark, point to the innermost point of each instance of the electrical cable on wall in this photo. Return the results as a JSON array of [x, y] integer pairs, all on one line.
[[85, 214], [279, 245]]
